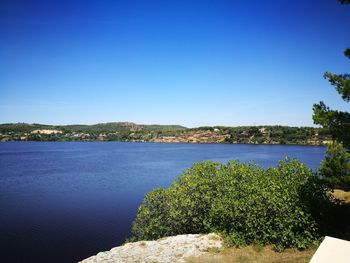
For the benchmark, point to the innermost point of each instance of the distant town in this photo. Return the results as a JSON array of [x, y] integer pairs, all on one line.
[[132, 132]]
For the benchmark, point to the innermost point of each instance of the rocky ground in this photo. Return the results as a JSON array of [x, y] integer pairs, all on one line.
[[168, 249]]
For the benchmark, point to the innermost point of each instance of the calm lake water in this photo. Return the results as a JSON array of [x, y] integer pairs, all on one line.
[[65, 201]]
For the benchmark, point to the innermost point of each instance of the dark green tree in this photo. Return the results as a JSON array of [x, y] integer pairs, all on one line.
[[338, 122], [335, 168]]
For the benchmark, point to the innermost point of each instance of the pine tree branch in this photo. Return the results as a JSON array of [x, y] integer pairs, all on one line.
[[347, 52], [341, 83]]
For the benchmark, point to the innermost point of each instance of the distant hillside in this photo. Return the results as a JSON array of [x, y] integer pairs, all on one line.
[[132, 132]]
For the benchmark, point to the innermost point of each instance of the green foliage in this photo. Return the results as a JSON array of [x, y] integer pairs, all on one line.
[[246, 203], [277, 134], [335, 169], [337, 122], [347, 52], [126, 131], [341, 83]]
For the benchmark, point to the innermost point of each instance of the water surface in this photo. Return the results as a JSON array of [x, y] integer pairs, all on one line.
[[65, 201]]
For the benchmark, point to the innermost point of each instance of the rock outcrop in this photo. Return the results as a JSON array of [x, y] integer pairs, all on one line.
[[168, 249]]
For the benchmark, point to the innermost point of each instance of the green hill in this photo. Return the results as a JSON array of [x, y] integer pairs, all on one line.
[[128, 131]]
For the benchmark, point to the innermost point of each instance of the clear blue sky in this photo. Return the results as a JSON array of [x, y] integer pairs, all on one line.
[[170, 62]]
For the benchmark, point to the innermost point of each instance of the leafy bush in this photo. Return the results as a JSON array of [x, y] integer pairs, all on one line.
[[335, 169], [246, 203]]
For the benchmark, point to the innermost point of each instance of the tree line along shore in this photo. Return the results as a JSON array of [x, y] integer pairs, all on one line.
[[131, 132]]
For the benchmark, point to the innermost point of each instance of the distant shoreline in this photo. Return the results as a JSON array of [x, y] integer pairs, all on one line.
[[132, 132], [203, 143]]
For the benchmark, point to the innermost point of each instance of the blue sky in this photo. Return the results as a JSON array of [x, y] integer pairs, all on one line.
[[182, 62]]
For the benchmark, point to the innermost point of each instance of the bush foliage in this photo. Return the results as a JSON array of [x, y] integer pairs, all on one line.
[[335, 168], [244, 202]]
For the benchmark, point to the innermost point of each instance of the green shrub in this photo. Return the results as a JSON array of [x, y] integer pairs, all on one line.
[[244, 202], [335, 169]]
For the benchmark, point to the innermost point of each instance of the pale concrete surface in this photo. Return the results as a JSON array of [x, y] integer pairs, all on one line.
[[332, 250]]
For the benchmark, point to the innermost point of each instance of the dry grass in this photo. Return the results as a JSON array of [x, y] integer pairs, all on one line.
[[342, 195], [253, 254]]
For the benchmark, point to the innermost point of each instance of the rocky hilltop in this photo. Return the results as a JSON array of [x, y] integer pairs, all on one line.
[[168, 249]]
